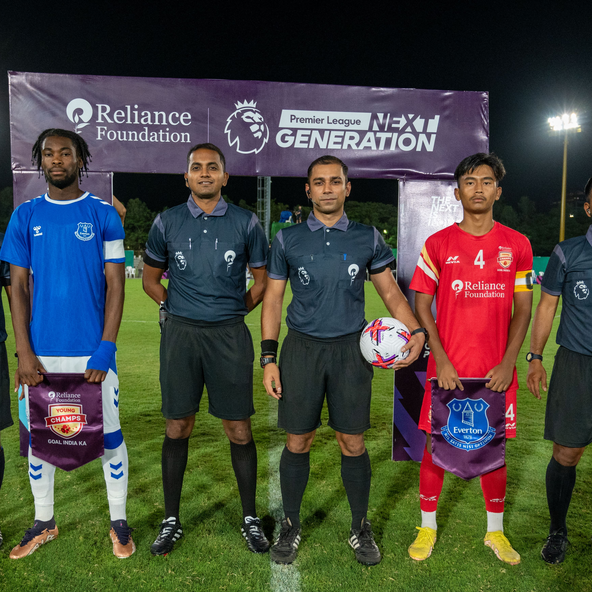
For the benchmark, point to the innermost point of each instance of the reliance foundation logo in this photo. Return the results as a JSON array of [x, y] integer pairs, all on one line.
[[129, 123], [479, 289]]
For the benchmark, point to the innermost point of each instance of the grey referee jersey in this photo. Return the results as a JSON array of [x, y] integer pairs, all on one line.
[[327, 268], [569, 275], [206, 256]]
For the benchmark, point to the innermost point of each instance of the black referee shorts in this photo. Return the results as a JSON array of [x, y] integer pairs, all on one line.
[[311, 368], [5, 415], [219, 355], [568, 418]]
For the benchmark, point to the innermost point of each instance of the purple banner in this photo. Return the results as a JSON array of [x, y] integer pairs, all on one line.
[[66, 420], [424, 208], [147, 125], [28, 184], [468, 428]]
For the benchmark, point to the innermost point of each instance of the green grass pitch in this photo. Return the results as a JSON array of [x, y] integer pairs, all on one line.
[[213, 555]]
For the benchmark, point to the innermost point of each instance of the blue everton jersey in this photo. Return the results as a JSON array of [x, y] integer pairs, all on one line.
[[66, 245]]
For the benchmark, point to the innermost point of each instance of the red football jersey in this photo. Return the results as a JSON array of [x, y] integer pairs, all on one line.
[[474, 279]]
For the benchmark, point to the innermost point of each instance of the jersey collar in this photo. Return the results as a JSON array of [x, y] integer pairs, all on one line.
[[315, 224], [196, 211], [62, 202], [589, 235]]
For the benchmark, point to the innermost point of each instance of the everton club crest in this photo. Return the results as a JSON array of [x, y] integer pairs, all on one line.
[[84, 232], [468, 427]]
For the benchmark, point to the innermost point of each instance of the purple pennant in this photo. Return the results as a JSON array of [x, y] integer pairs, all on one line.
[[468, 428], [66, 420]]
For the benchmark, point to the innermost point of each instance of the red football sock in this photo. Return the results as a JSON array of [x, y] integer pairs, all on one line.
[[494, 489], [431, 479]]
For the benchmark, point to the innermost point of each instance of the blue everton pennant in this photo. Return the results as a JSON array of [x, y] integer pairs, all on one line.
[[468, 428]]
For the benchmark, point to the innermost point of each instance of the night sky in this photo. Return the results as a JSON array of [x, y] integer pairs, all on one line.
[[534, 59]]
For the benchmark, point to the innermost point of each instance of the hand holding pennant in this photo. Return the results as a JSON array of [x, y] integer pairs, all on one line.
[[66, 420], [468, 428]]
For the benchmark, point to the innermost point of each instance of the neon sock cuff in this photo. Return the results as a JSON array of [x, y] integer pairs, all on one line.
[[101, 359]]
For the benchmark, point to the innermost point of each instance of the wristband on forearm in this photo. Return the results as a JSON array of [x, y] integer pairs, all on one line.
[[101, 359], [269, 347]]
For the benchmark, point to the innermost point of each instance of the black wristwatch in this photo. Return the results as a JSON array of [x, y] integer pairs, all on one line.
[[530, 357], [422, 330], [267, 360]]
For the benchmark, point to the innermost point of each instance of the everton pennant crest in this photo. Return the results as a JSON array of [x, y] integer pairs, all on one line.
[[468, 428], [66, 420]]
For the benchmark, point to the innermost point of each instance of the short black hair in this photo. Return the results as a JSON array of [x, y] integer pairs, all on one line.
[[327, 159], [79, 143], [470, 163], [207, 146], [588, 191]]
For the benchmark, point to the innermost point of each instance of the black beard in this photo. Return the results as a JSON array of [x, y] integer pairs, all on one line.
[[62, 183]]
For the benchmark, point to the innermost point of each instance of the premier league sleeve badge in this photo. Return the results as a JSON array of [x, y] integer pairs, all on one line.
[[468, 428]]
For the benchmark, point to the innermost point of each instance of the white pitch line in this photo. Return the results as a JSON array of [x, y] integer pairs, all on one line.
[[284, 578]]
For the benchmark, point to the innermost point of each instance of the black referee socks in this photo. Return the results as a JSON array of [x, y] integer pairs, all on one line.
[[294, 472], [560, 484], [356, 474], [244, 463], [174, 462]]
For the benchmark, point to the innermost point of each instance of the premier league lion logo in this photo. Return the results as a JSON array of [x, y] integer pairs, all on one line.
[[581, 291], [246, 128], [468, 427], [303, 276]]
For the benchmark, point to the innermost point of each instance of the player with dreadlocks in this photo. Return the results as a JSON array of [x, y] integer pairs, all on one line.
[[79, 144], [72, 241]]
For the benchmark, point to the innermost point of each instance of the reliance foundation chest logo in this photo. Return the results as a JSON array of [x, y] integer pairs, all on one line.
[[129, 123], [479, 289], [468, 427]]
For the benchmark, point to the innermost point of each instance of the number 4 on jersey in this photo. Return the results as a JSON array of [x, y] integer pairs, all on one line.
[[479, 259], [510, 412]]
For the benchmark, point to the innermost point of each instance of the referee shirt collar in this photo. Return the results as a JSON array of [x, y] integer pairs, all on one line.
[[196, 211], [589, 235], [315, 224]]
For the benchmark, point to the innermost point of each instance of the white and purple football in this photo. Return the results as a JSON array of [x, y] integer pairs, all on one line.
[[381, 342]]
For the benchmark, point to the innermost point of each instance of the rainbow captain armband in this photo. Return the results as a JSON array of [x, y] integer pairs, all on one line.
[[101, 359]]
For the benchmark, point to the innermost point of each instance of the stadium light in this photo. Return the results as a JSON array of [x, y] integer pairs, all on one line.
[[564, 123]]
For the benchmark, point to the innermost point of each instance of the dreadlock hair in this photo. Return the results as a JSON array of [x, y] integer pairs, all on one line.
[[79, 142]]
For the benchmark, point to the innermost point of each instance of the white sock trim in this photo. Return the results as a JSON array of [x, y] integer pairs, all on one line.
[[428, 519]]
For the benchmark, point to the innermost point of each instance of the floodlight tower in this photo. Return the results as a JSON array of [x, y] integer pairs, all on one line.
[[564, 123]]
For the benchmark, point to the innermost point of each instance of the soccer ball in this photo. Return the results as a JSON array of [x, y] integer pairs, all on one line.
[[381, 342]]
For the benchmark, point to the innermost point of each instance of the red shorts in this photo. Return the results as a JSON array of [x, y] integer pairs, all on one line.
[[425, 417]]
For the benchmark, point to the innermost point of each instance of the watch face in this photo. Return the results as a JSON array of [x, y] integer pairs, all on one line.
[[528, 357]]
